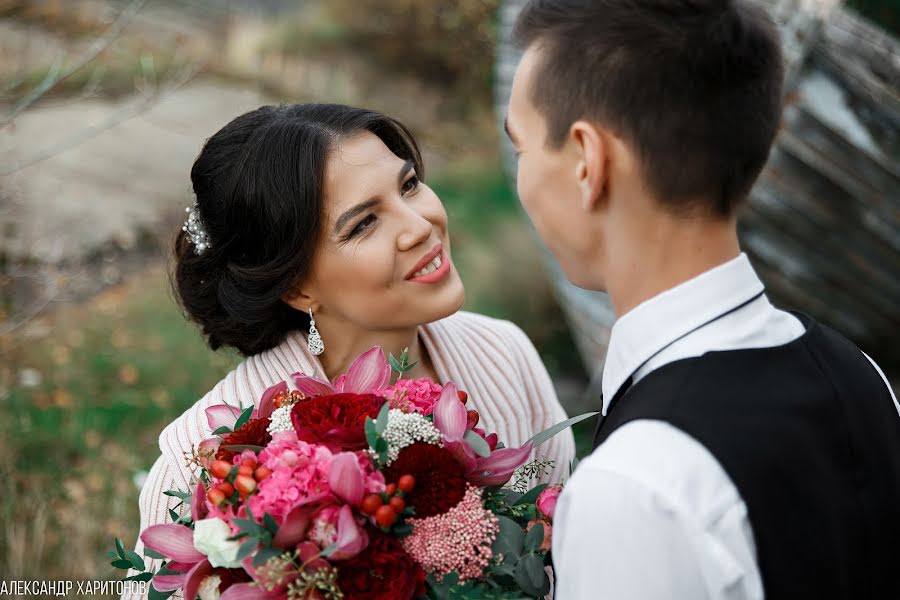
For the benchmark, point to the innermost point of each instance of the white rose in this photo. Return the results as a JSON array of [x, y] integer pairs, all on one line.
[[211, 538], [209, 588]]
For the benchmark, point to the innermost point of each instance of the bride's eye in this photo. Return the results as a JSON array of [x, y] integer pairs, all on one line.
[[410, 184], [362, 226]]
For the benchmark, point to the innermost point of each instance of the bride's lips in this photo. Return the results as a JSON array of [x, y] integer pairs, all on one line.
[[436, 275]]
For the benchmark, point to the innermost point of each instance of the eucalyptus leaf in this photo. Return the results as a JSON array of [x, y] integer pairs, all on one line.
[[157, 595], [266, 554], [477, 443], [151, 553], [121, 564], [246, 549], [245, 416], [395, 364], [531, 577], [534, 538], [174, 515], [270, 523], [242, 447], [328, 550], [119, 549], [381, 445], [510, 539], [402, 530], [552, 431], [112, 555], [371, 433], [382, 422], [532, 495], [135, 559], [140, 577], [222, 429], [177, 494]]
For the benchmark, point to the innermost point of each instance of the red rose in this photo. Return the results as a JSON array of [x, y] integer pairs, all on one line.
[[337, 421], [252, 433], [440, 481], [383, 571]]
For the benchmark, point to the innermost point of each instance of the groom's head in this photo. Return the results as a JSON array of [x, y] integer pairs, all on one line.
[[623, 109]]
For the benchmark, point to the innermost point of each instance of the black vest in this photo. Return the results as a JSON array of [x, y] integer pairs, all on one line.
[[810, 437]]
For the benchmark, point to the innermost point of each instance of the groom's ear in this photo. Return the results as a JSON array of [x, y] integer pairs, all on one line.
[[591, 170]]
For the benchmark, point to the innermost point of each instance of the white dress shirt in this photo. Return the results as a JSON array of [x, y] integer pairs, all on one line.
[[651, 513]]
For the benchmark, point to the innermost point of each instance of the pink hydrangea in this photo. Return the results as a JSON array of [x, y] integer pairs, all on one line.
[[299, 472], [408, 395]]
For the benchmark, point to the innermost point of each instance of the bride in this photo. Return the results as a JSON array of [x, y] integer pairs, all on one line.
[[314, 238]]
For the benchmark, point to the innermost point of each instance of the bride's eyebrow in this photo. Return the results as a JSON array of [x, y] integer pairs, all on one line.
[[364, 206]]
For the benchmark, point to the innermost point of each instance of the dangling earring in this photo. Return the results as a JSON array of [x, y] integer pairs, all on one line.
[[314, 341]]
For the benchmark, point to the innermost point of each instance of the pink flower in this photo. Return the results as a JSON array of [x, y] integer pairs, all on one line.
[[546, 502], [413, 395], [368, 373], [336, 525]]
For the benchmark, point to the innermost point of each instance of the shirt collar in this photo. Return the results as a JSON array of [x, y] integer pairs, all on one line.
[[654, 324]]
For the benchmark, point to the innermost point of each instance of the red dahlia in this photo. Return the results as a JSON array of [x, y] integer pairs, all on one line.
[[383, 571], [440, 482], [252, 433], [337, 421]]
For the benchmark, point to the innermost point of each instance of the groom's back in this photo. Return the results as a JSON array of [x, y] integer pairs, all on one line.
[[810, 436]]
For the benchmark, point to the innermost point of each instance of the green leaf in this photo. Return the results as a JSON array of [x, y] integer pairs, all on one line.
[[532, 495], [510, 539], [249, 526], [242, 447], [140, 577], [245, 416], [157, 595], [531, 577], [534, 538], [112, 554], [395, 364], [119, 549], [328, 550], [270, 523], [121, 564], [151, 553], [402, 530], [381, 445], [246, 549], [135, 559], [381, 422], [371, 433], [176, 494], [552, 431], [477, 443], [266, 554], [223, 429]]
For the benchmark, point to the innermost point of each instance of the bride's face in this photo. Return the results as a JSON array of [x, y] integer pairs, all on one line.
[[383, 233]]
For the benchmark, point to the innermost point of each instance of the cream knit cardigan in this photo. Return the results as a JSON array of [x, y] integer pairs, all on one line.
[[491, 359]]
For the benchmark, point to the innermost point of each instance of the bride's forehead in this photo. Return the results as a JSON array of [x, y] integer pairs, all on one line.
[[360, 155]]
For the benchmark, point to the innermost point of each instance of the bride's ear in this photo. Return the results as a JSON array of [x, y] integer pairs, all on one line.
[[591, 170], [300, 300]]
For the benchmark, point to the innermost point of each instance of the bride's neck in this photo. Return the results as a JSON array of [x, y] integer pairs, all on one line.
[[342, 349]]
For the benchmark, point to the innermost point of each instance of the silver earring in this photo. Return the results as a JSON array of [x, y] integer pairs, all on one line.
[[316, 345]]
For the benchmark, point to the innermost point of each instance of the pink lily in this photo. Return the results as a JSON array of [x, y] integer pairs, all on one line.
[[351, 538], [451, 419], [253, 591], [369, 372], [176, 542], [346, 478]]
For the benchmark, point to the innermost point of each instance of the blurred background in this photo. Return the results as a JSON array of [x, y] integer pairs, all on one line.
[[104, 105]]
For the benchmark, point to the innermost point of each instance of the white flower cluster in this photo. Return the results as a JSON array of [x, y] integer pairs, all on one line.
[[404, 429], [280, 420]]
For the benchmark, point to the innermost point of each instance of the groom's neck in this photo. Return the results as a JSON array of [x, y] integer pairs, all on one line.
[[662, 253]]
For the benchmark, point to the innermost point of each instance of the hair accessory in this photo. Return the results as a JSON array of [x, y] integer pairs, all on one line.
[[314, 341], [195, 230]]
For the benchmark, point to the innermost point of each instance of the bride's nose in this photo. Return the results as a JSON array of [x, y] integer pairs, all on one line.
[[416, 229]]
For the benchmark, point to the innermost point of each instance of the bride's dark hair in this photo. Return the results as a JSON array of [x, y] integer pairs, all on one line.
[[259, 186]]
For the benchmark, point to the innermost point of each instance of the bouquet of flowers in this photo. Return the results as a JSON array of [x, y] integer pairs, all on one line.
[[361, 489]]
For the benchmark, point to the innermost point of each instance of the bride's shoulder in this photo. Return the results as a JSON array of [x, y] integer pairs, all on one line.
[[468, 328]]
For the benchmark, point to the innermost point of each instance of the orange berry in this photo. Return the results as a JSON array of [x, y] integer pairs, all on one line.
[[220, 469], [472, 418], [406, 483], [398, 504], [249, 462], [245, 484], [245, 470], [385, 516], [226, 488], [391, 489], [261, 472], [463, 397], [216, 496], [372, 503]]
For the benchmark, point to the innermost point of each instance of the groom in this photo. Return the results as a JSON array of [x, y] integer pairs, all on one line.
[[743, 451]]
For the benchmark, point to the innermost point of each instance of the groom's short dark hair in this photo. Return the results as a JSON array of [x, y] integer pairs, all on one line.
[[693, 85]]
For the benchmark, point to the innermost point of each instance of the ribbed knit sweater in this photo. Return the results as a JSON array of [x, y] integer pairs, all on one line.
[[491, 359]]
